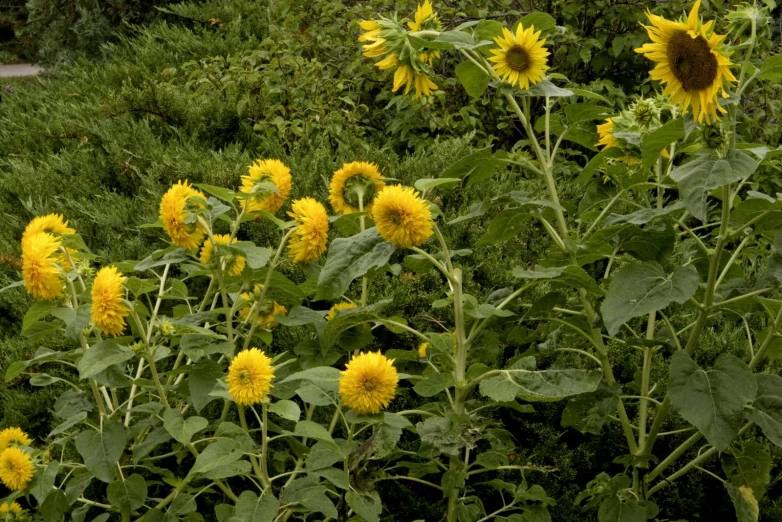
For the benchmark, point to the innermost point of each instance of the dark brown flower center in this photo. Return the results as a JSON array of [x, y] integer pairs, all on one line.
[[517, 58], [691, 61]]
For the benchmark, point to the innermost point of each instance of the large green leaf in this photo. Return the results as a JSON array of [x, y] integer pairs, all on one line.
[[641, 288], [367, 506], [102, 355], [613, 509], [771, 69], [128, 494], [656, 141], [180, 428], [699, 177], [349, 258], [745, 503], [473, 78], [101, 450], [201, 381], [311, 495], [589, 412], [216, 455], [568, 275], [712, 400], [252, 508], [767, 409], [523, 380]]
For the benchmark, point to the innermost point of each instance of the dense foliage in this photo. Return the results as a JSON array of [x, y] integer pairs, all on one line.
[[222, 84]]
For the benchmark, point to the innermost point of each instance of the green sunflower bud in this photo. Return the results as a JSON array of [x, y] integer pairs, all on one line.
[[714, 137]]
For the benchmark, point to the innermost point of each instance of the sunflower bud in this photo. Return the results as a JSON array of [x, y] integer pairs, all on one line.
[[714, 137], [167, 328], [137, 347], [85, 270], [645, 113]]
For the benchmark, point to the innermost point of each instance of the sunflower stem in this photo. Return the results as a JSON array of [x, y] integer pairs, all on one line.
[[253, 459], [364, 280]]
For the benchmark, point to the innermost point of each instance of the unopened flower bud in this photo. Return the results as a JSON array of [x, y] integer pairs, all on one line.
[[167, 328]]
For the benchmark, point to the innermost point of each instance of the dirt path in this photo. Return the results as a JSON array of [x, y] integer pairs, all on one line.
[[19, 69]]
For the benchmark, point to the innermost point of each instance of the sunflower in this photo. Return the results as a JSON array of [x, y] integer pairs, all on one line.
[[42, 277], [235, 265], [377, 44], [422, 350], [12, 508], [423, 19], [266, 312], [350, 183], [250, 377], [16, 468], [175, 210], [408, 76], [402, 218], [272, 172], [606, 133], [54, 224], [368, 382], [521, 58], [691, 63], [308, 241], [13, 436], [337, 308], [108, 307]]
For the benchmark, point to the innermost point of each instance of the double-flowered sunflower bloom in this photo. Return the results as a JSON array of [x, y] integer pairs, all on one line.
[[250, 377], [56, 225], [13, 436], [16, 465], [402, 217], [255, 184], [235, 264], [521, 58], [108, 307], [176, 213], [356, 182], [308, 241], [337, 308], [692, 64], [388, 40], [41, 269], [10, 511], [368, 383]]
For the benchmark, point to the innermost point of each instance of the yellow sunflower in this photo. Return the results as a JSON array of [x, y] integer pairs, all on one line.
[[401, 217], [175, 209], [368, 383], [308, 241], [16, 468], [235, 266], [407, 76], [108, 308], [377, 44], [337, 308], [350, 182], [55, 225], [267, 311], [42, 278], [13, 435], [691, 63], [422, 350], [269, 172], [250, 377], [606, 133], [521, 58], [426, 18], [12, 508]]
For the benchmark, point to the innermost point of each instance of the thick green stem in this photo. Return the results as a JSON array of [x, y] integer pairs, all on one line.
[[643, 406], [265, 444], [253, 459]]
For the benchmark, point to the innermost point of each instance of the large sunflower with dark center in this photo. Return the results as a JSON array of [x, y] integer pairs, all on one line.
[[690, 63], [521, 57]]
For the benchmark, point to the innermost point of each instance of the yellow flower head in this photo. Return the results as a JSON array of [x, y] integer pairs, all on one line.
[[266, 172], [175, 206], [368, 382], [426, 18], [308, 241], [337, 308], [108, 308], [407, 75], [691, 63], [401, 217], [377, 44], [54, 224], [521, 58], [422, 349], [42, 277], [250, 377], [12, 508], [236, 265], [606, 133], [266, 311], [13, 435], [16, 468], [349, 182]]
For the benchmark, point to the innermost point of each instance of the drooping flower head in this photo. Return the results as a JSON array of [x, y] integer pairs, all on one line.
[[13, 435], [606, 133], [176, 212], [408, 76], [425, 18], [691, 63], [263, 174], [368, 382], [351, 183], [422, 350], [402, 217], [521, 58], [250, 377], [264, 312], [16, 468], [108, 308], [10, 511], [42, 277], [236, 263], [337, 308], [308, 241]]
